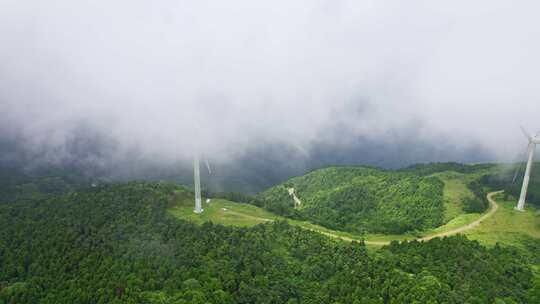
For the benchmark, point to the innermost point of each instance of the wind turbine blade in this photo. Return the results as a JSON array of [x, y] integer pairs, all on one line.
[[520, 166], [516, 173], [208, 166], [525, 133]]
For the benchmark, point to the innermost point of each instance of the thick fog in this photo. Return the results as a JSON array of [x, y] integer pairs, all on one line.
[[311, 83]]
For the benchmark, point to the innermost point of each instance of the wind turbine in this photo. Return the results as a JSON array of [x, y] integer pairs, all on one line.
[[533, 141], [197, 182]]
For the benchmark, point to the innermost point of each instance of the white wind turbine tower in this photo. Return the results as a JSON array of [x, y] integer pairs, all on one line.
[[197, 182], [533, 141]]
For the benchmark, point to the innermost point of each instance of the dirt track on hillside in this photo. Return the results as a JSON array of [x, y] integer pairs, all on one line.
[[493, 206]]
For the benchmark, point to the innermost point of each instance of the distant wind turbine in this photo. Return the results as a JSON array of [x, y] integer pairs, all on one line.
[[197, 182], [533, 141]]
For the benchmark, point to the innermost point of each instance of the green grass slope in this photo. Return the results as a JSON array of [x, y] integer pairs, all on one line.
[[463, 195], [229, 213], [359, 200], [508, 226], [455, 193], [219, 211]]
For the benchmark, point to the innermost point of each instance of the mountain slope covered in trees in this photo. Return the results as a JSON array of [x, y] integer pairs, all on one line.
[[360, 199], [119, 244], [17, 184]]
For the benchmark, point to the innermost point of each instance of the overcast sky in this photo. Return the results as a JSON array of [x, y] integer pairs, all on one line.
[[159, 75]]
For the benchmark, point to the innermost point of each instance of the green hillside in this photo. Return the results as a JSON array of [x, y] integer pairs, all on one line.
[[505, 226], [432, 168], [219, 211], [229, 213], [122, 244], [359, 199], [15, 184], [509, 226]]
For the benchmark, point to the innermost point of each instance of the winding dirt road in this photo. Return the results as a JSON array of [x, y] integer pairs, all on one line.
[[493, 206]]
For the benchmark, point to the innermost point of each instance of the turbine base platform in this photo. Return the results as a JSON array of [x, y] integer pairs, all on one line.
[[198, 212], [520, 210]]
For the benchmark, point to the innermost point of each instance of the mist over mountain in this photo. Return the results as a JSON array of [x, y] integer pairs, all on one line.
[[264, 91], [378, 83], [98, 156], [357, 151]]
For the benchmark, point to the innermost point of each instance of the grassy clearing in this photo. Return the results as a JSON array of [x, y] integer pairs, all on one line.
[[508, 226], [223, 212], [461, 220], [455, 191], [236, 214], [229, 213], [326, 231]]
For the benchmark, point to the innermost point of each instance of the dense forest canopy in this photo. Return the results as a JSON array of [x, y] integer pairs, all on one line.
[[118, 244], [17, 184], [430, 168], [361, 199]]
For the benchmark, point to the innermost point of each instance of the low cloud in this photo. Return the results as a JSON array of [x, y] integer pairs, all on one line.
[[319, 80]]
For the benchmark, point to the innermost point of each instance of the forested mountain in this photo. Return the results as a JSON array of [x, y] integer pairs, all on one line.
[[361, 199], [17, 184], [118, 244], [430, 168]]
